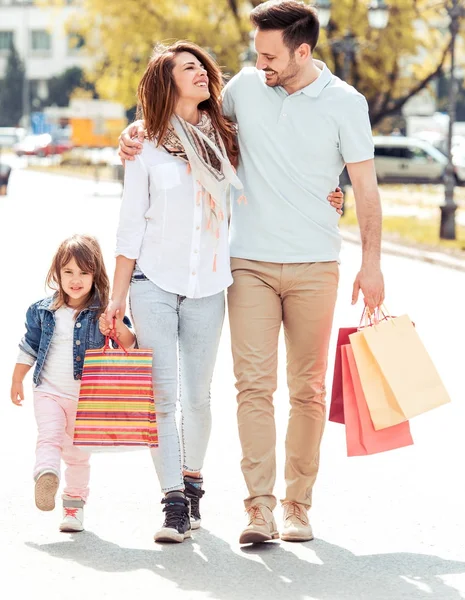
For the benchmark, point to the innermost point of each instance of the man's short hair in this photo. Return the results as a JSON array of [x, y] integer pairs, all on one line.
[[298, 21]]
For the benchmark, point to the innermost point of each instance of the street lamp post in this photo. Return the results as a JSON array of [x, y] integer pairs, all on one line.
[[248, 57], [347, 46], [26, 91], [447, 231], [378, 17]]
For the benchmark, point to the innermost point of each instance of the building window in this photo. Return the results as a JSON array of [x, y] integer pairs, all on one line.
[[75, 42], [41, 41], [6, 40]]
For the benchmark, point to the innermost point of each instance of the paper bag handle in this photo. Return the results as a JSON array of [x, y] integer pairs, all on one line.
[[112, 336]]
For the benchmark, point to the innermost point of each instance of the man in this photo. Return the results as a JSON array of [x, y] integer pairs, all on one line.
[[298, 126]]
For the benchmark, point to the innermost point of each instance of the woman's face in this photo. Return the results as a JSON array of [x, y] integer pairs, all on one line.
[[191, 78]]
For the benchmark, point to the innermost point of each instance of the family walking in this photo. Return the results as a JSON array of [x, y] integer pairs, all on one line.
[[225, 189]]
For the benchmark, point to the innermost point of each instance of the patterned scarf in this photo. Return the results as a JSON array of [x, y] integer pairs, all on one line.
[[173, 144], [202, 148]]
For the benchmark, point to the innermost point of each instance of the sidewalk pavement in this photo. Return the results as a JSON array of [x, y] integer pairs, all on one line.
[[406, 251], [391, 206]]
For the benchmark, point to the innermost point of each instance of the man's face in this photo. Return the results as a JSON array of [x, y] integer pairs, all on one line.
[[274, 58]]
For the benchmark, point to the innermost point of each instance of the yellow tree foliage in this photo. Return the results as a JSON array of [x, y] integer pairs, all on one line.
[[122, 33], [389, 66]]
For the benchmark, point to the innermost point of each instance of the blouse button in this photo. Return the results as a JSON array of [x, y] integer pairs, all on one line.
[[78, 343], [78, 325], [78, 358]]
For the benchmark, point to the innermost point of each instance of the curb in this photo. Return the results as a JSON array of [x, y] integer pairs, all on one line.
[[435, 258]]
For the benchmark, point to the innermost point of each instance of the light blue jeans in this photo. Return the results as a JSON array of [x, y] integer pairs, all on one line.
[[184, 334]]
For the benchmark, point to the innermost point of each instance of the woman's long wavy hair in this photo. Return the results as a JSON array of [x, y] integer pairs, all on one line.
[[157, 94], [87, 253]]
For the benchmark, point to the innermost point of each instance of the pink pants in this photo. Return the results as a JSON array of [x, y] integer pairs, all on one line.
[[55, 419]]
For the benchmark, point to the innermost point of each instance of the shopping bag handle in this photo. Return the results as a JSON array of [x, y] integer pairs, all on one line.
[[372, 319], [113, 337]]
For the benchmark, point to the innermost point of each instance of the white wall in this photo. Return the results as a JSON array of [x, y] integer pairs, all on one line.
[[23, 19]]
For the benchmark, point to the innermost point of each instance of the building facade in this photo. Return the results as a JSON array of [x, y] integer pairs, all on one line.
[[41, 32]]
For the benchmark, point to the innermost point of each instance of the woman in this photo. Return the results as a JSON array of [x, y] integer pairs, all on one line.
[[172, 252]]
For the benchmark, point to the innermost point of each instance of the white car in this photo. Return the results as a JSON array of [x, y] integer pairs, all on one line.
[[401, 159]]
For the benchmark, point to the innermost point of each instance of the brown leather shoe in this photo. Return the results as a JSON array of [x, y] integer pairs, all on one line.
[[296, 525], [261, 527]]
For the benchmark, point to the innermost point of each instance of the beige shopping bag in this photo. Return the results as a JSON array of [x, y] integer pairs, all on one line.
[[405, 381], [382, 404]]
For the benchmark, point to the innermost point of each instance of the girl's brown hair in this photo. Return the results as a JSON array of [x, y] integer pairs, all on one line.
[[87, 253], [157, 94]]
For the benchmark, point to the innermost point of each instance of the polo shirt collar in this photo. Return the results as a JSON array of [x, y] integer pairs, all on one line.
[[316, 87]]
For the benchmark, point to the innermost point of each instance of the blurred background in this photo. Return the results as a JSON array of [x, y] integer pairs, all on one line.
[[69, 71]]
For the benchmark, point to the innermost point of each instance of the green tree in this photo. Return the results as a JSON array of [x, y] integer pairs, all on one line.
[[11, 90], [62, 87], [443, 96]]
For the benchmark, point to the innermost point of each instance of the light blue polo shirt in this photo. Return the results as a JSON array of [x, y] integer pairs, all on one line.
[[293, 149]]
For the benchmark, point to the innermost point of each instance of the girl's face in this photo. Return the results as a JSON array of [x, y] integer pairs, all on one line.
[[76, 283], [191, 78]]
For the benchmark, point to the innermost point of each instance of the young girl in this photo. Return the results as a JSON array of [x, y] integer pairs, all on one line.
[[59, 329]]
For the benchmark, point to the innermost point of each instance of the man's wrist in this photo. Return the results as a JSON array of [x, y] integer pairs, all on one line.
[[371, 262]]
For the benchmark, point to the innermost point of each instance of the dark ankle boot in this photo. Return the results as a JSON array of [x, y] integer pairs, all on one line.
[[194, 492]]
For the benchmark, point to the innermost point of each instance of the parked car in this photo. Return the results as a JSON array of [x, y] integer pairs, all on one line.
[[411, 160], [42, 145], [9, 136]]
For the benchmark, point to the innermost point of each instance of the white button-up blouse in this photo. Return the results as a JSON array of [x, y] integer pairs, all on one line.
[[163, 225]]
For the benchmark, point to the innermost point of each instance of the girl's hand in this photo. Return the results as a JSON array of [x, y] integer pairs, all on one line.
[[336, 199], [17, 393]]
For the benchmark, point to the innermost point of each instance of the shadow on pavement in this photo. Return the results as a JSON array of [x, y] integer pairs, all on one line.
[[270, 571]]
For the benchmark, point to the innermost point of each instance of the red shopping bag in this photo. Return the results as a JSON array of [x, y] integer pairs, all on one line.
[[361, 436], [336, 409]]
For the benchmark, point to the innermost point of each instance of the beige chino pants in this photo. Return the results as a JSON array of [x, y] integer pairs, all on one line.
[[302, 296]]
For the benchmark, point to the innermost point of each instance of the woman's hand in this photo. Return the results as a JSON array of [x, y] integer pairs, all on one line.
[[129, 147], [117, 325], [114, 309], [336, 199], [103, 325]]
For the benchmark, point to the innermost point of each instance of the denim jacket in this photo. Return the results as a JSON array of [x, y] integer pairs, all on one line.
[[40, 325]]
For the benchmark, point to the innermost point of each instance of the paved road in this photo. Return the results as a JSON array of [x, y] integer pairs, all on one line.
[[388, 527]]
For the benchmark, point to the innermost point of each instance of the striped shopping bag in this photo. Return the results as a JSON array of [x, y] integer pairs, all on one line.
[[116, 405]]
